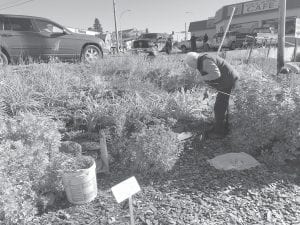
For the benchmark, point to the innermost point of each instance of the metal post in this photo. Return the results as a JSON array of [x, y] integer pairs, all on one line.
[[121, 33], [185, 34], [185, 28], [116, 28], [281, 35], [227, 28]]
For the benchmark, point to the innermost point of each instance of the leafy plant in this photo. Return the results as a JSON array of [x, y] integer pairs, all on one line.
[[266, 116], [27, 144], [154, 150]]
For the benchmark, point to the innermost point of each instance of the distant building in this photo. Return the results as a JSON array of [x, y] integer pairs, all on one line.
[[254, 14], [126, 36], [200, 28], [180, 36], [248, 16]]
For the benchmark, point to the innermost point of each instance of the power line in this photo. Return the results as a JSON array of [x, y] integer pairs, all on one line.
[[21, 3], [10, 2]]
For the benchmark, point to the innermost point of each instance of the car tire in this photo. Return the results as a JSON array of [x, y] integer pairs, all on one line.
[[183, 49], [3, 59], [91, 54]]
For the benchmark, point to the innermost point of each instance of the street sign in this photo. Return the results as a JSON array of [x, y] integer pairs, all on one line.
[[297, 30]]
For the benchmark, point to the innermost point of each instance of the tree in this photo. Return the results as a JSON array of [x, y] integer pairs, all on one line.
[[97, 26], [147, 31]]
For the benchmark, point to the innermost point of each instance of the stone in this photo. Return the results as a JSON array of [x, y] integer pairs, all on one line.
[[233, 161], [70, 147], [183, 136]]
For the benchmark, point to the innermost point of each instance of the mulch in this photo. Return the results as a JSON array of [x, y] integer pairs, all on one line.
[[193, 192]]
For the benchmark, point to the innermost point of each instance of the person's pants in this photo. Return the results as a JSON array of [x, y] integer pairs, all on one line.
[[220, 108]]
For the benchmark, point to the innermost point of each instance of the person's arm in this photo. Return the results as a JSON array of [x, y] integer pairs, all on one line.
[[211, 70]]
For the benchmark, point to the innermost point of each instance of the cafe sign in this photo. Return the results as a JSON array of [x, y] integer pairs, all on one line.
[[259, 6]]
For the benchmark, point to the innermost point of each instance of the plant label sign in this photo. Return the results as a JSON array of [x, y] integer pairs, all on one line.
[[125, 189], [297, 30]]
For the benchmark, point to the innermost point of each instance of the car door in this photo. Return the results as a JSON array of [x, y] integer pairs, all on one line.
[[19, 37], [57, 41]]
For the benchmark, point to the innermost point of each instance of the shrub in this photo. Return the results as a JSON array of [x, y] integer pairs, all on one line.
[[266, 120], [27, 144], [154, 150]]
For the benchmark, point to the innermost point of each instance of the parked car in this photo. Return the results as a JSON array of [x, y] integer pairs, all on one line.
[[39, 38], [150, 43], [230, 41], [265, 36], [186, 44]]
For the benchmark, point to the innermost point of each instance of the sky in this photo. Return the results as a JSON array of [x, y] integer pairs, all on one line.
[[156, 15]]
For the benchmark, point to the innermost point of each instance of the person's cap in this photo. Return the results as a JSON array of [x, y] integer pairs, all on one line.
[[192, 59]]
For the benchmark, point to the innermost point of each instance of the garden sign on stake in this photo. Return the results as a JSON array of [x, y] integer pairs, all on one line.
[[125, 190]]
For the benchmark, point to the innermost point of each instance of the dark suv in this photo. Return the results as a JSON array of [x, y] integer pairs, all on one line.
[[151, 43], [23, 37]]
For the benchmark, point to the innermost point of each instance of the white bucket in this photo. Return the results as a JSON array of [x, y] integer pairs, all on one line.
[[81, 185]]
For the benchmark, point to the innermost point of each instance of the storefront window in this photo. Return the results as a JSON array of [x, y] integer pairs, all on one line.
[[289, 25]]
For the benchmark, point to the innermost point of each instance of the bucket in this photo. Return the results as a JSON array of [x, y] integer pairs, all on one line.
[[81, 185]]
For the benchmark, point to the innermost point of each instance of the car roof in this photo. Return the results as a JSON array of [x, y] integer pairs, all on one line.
[[22, 16]]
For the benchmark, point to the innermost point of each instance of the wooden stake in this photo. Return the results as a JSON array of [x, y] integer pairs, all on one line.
[[131, 211], [103, 152], [227, 28], [281, 35], [250, 53]]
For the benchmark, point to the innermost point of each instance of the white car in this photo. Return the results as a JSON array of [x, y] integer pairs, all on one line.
[[264, 36]]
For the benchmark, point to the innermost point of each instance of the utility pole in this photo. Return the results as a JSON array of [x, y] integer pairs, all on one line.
[[116, 28], [185, 27], [281, 35], [185, 34]]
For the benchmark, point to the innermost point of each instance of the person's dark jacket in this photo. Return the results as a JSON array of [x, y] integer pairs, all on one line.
[[228, 76]]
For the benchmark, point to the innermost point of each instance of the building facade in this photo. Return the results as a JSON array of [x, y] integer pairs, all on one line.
[[253, 14], [200, 28]]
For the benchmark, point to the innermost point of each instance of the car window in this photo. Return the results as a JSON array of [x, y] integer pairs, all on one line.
[[47, 27], [4, 24], [21, 24]]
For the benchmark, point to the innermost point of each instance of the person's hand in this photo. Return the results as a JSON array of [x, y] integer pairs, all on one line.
[[199, 79]]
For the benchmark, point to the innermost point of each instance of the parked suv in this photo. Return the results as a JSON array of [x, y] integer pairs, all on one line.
[[23, 37], [150, 43]]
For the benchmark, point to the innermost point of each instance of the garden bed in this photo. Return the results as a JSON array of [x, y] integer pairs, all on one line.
[[141, 106]]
